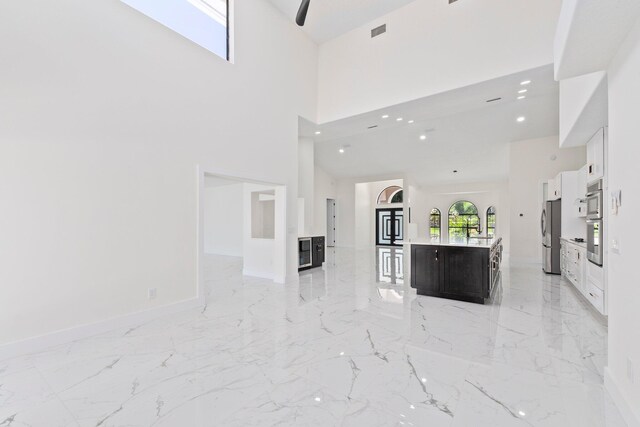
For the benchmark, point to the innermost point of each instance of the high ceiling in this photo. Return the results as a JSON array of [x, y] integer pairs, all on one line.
[[462, 132], [328, 19]]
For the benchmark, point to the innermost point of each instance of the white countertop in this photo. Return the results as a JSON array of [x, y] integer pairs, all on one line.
[[462, 242], [573, 242]]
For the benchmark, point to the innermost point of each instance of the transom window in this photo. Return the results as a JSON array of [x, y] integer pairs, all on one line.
[[491, 221], [204, 22], [435, 223], [393, 194], [463, 220]]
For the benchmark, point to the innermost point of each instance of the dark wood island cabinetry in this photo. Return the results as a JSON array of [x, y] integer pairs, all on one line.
[[463, 270]]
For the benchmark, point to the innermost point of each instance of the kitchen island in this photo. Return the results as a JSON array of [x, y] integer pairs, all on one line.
[[462, 269]]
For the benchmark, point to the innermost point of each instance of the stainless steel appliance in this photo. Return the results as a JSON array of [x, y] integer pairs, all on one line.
[[304, 253], [594, 223], [594, 241], [551, 228], [495, 258], [594, 200]]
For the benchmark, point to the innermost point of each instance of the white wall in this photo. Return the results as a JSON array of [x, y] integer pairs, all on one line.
[[483, 195], [530, 164], [363, 206], [306, 175], [105, 116], [262, 255], [324, 188], [431, 47], [623, 288], [223, 222]]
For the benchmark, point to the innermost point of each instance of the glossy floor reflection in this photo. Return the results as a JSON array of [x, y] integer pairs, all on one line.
[[350, 345]]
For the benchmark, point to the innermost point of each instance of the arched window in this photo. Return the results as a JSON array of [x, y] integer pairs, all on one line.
[[491, 221], [393, 194], [435, 223], [463, 220]]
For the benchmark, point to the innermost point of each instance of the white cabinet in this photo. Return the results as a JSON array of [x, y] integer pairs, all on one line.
[[554, 190], [575, 259], [585, 276], [595, 156], [581, 207]]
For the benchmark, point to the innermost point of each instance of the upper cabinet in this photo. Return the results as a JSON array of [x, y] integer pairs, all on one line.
[[581, 207], [595, 157], [589, 33], [554, 188]]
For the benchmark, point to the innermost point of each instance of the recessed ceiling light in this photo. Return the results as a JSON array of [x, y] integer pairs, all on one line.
[[423, 137], [341, 150], [521, 97], [399, 119], [522, 413], [526, 82], [455, 171], [521, 119], [410, 121], [318, 399], [386, 116], [522, 91], [318, 132]]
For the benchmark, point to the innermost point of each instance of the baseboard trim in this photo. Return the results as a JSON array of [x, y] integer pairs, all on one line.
[[630, 417], [64, 336], [259, 275]]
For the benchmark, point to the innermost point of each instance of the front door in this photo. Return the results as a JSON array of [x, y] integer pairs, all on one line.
[[389, 227]]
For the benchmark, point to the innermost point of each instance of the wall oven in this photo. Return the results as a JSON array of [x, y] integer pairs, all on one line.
[[595, 237], [594, 241], [594, 200]]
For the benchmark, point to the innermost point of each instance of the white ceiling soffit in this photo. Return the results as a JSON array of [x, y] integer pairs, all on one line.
[[584, 108], [589, 34], [328, 19], [462, 132]]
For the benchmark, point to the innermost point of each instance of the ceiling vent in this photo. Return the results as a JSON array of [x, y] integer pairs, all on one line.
[[452, 1], [494, 99], [379, 30], [372, 127]]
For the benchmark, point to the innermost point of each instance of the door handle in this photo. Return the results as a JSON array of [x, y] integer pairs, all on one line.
[[436, 255]]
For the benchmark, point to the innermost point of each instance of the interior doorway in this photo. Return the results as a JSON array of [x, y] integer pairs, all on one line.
[[331, 223], [241, 225], [389, 227]]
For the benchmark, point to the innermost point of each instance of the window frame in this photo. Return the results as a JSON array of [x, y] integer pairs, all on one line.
[[389, 200], [435, 212], [491, 212], [467, 216]]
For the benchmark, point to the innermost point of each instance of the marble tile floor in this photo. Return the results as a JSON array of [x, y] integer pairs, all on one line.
[[350, 345]]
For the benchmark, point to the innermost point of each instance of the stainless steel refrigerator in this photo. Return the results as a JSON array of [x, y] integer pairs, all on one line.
[[550, 225]]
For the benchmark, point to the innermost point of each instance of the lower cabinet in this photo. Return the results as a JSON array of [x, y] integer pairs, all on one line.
[[427, 268], [465, 272], [461, 273], [586, 277]]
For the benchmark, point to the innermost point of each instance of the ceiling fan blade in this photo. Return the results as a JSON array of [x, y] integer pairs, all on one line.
[[302, 12]]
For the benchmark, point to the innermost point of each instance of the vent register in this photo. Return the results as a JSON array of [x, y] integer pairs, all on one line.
[[379, 30]]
